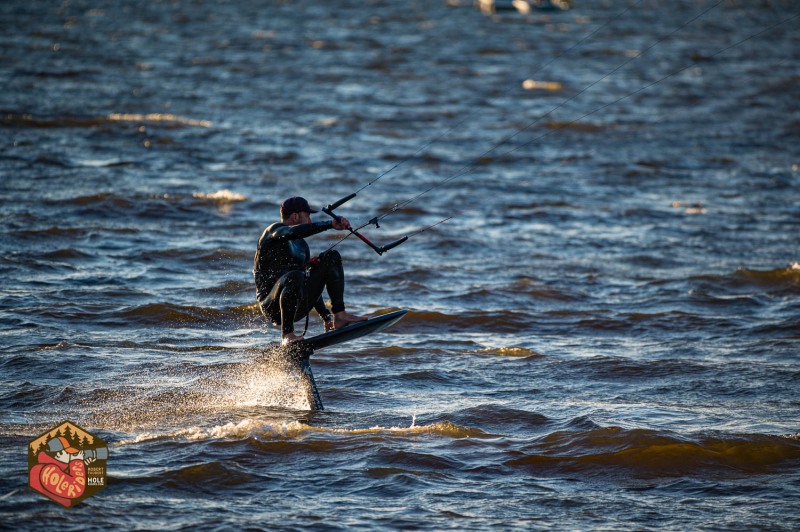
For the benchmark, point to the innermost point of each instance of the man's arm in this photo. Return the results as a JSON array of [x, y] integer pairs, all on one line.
[[281, 231]]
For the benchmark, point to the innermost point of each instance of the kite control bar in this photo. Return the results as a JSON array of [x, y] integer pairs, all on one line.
[[380, 250]]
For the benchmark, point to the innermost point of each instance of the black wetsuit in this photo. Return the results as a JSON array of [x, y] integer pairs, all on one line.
[[288, 286]]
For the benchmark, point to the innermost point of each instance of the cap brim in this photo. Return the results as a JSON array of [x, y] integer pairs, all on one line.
[[310, 211]]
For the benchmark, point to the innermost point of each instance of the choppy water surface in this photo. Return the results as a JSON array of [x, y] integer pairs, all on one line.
[[606, 335]]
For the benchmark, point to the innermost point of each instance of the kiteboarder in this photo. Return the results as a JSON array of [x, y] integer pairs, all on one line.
[[289, 282]]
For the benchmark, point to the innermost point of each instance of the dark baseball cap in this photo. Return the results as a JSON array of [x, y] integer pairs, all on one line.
[[296, 204]]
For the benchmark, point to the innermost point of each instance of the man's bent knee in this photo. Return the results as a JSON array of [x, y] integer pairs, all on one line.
[[331, 257], [292, 280]]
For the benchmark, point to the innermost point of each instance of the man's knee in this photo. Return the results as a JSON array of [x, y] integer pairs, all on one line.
[[292, 284], [331, 257], [293, 278]]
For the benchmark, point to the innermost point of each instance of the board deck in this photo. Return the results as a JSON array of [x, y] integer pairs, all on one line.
[[352, 331]]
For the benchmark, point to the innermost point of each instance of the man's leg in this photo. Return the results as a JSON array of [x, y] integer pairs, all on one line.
[[284, 302], [329, 273]]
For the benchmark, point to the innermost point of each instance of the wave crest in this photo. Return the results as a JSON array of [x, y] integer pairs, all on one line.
[[647, 453]]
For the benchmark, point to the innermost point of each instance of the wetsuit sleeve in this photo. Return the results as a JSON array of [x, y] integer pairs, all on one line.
[[279, 231]]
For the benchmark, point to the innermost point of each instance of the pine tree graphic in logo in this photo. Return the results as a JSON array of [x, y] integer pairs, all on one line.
[[67, 464]]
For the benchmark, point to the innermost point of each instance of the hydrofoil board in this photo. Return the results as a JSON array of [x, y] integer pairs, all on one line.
[[301, 351], [352, 331]]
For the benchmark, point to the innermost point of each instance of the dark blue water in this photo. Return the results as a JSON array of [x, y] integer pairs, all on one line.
[[606, 335]]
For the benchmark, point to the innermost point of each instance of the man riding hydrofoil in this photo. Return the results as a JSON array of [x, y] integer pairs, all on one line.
[[289, 283]]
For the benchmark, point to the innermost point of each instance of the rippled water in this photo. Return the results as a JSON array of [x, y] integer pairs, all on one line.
[[604, 336]]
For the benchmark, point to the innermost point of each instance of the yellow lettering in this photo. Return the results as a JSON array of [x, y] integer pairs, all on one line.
[[44, 475], [53, 478]]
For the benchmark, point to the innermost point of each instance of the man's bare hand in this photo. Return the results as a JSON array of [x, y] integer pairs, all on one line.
[[341, 224]]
